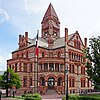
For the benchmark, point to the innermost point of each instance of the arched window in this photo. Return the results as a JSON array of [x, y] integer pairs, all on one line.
[[58, 54], [24, 81], [42, 81], [59, 81]]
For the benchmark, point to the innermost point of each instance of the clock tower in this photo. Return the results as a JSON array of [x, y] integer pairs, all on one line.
[[50, 25]]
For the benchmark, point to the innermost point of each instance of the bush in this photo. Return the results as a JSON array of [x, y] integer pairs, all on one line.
[[33, 97], [76, 97], [71, 97], [23, 95], [89, 98]]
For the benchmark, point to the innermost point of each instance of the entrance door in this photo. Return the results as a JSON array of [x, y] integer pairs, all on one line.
[[51, 83]]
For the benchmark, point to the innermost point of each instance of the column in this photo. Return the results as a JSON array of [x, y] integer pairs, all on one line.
[[48, 66], [42, 66], [46, 83], [54, 66], [59, 67]]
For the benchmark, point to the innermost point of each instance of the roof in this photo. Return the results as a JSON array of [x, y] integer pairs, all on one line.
[[50, 13], [60, 42]]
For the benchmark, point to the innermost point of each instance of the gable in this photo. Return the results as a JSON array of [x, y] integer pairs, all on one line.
[[76, 41]]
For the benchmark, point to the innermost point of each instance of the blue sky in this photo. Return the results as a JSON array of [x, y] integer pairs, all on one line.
[[18, 16]]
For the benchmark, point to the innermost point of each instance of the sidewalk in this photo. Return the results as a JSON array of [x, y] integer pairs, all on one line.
[[52, 97]]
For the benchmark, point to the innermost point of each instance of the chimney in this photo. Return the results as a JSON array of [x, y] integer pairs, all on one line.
[[19, 40], [85, 42], [66, 34], [19, 37], [26, 35]]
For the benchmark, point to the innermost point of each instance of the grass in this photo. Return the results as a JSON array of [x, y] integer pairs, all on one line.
[[88, 97]]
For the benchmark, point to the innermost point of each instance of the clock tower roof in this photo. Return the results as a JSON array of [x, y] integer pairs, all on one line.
[[50, 13]]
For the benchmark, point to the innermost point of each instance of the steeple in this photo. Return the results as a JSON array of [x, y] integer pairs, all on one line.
[[50, 24], [50, 13]]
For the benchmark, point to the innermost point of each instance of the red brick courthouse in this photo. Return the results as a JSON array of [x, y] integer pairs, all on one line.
[[55, 55]]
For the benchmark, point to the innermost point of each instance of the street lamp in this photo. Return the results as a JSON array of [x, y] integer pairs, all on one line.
[[66, 73], [7, 81]]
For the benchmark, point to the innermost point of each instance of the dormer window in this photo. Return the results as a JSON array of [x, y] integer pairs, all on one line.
[[42, 54]]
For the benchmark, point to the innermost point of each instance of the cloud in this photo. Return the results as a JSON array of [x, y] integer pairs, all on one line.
[[3, 62], [3, 16], [37, 6]]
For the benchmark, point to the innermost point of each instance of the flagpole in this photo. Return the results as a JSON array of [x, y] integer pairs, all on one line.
[[37, 58]]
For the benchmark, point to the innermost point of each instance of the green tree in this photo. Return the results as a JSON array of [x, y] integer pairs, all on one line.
[[93, 63], [10, 79]]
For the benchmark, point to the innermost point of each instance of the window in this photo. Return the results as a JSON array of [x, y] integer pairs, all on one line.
[[50, 54], [45, 67], [42, 81], [71, 68], [88, 83], [51, 67], [58, 54], [82, 82], [17, 55], [57, 67], [77, 43], [15, 67], [30, 68], [30, 81], [59, 81], [25, 67], [42, 54], [40, 67], [72, 82], [25, 82], [27, 55], [22, 54], [10, 66], [61, 67], [82, 70]]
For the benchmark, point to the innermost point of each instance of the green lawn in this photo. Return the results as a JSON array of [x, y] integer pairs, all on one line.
[[88, 97]]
